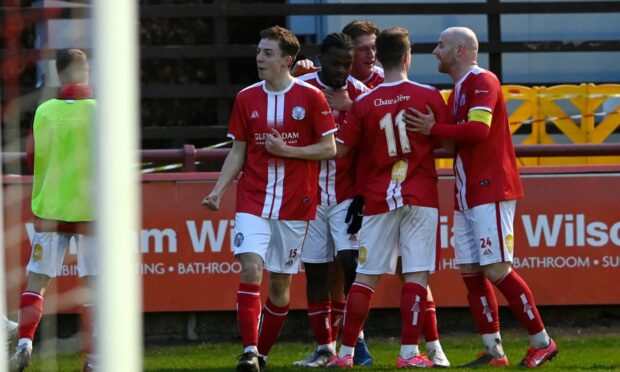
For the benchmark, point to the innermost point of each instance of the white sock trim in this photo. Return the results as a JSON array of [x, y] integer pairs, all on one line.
[[24, 342], [433, 345], [540, 340], [409, 351], [493, 344], [329, 347], [345, 350]]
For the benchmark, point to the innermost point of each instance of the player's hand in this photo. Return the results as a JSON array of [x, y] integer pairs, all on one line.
[[275, 144], [355, 215], [302, 67], [211, 202], [419, 122], [338, 99]]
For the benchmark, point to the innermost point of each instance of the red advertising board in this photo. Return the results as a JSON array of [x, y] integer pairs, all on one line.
[[567, 244]]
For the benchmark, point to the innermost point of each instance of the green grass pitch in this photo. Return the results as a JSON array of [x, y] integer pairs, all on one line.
[[577, 353]]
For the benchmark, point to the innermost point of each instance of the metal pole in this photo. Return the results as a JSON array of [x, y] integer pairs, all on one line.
[[118, 289], [3, 355]]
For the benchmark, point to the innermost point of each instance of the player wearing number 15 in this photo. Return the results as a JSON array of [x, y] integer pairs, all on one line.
[[398, 181], [280, 127]]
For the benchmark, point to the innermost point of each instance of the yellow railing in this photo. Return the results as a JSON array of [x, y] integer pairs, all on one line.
[[585, 113]]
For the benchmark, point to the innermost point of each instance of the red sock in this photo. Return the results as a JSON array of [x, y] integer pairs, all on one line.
[[430, 322], [30, 312], [248, 313], [357, 308], [337, 318], [271, 325], [521, 301], [319, 315], [412, 310], [86, 322], [482, 302]]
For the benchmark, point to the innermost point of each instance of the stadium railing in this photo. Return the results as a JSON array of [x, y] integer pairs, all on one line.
[[186, 158]]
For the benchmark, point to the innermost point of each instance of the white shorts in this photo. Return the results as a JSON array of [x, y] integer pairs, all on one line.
[[327, 234], [409, 231], [484, 234], [278, 242], [48, 253]]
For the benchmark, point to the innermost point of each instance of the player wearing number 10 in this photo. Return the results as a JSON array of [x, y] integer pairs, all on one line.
[[398, 181]]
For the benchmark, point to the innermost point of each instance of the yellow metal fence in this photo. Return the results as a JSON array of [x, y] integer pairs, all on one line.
[[585, 113]]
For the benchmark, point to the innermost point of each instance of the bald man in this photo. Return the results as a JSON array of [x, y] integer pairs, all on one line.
[[486, 189]]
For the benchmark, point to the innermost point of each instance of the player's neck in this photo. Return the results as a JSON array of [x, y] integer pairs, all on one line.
[[279, 83], [325, 82], [460, 71], [361, 75], [393, 75]]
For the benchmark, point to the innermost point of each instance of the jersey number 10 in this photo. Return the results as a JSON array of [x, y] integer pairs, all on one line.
[[387, 125]]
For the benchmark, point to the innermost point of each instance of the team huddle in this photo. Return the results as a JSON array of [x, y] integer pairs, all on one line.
[[337, 172]]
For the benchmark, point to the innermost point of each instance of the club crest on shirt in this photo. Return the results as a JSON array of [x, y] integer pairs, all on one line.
[[462, 100], [298, 113], [238, 240]]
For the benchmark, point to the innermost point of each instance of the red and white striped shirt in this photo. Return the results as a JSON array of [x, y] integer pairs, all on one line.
[[485, 172], [270, 186], [337, 176]]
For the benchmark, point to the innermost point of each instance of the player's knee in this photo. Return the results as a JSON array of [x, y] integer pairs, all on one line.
[[251, 271], [317, 276], [495, 272], [420, 278], [37, 283], [279, 285], [367, 279], [347, 257], [348, 262], [469, 268]]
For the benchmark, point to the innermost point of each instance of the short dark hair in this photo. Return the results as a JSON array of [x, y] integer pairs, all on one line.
[[360, 27], [287, 41], [392, 43], [65, 57], [337, 40]]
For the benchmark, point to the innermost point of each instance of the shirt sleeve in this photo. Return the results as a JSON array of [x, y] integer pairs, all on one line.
[[440, 111], [484, 94], [322, 118], [439, 108], [237, 123], [350, 130]]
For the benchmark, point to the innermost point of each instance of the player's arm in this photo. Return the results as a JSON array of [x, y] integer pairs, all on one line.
[[341, 149], [476, 129], [349, 133], [324, 149], [302, 67], [338, 100], [442, 115], [479, 117], [230, 170]]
